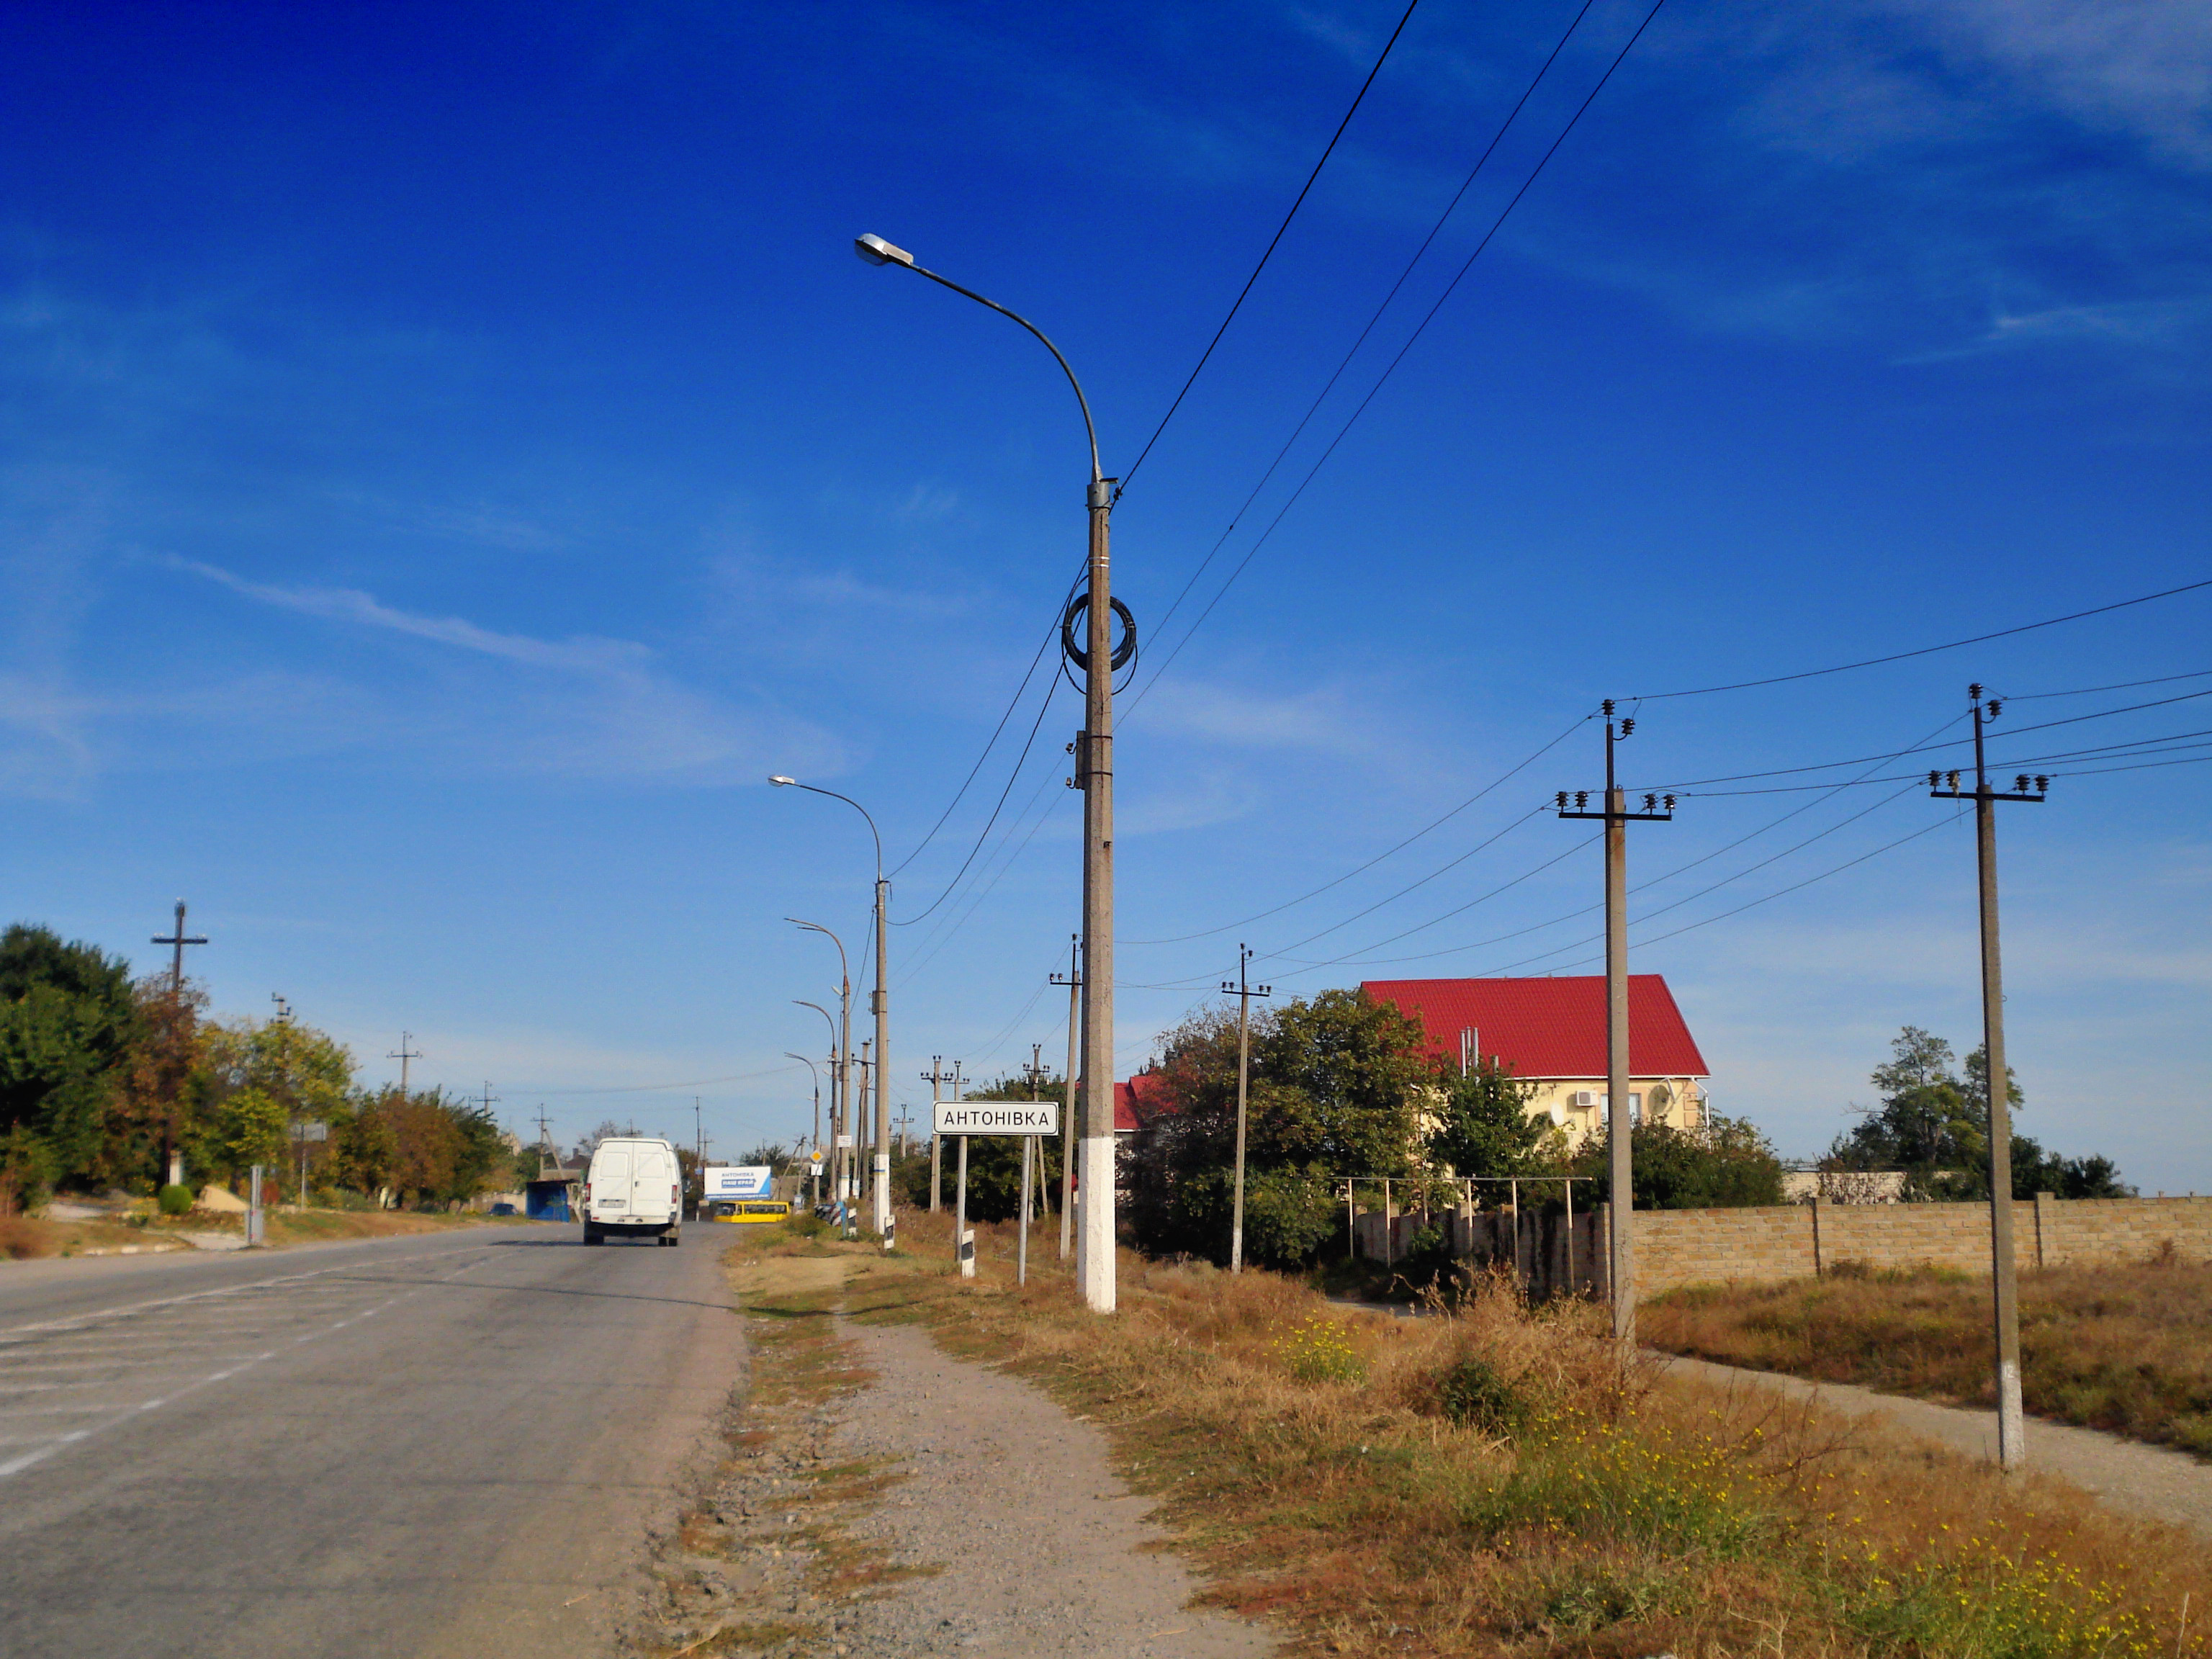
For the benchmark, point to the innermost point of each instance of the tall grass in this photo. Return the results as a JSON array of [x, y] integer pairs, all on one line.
[[2126, 1349], [1579, 1510]]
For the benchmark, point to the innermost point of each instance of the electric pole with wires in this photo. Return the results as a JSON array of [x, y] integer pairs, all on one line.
[[1073, 979], [1244, 990], [2012, 1423], [1620, 1129], [937, 1077]]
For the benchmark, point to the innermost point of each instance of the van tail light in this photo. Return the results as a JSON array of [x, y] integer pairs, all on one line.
[[675, 1194], [587, 1191]]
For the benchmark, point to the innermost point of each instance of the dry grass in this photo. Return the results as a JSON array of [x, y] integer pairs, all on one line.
[[1585, 1511], [2123, 1349], [29, 1238]]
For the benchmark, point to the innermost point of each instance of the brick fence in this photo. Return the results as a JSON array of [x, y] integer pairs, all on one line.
[[1801, 1241]]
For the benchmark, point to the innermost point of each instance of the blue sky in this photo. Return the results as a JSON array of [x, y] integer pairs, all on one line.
[[452, 455]]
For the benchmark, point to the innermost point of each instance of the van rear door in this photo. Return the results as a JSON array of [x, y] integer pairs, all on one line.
[[610, 1184], [653, 1175]]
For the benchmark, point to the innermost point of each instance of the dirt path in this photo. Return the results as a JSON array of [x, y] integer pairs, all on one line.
[[2146, 1480], [1042, 1551], [881, 1498]]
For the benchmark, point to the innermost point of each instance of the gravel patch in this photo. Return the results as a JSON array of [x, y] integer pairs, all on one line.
[[1041, 1550]]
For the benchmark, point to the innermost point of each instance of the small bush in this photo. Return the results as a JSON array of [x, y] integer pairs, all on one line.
[[175, 1200], [807, 1224], [1473, 1395], [1318, 1351]]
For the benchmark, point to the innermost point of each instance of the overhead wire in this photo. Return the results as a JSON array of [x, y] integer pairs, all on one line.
[[1330, 385], [1268, 252], [1391, 368], [1434, 823], [1930, 650]]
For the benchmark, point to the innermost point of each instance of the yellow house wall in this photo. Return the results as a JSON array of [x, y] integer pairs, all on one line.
[[1551, 1096]]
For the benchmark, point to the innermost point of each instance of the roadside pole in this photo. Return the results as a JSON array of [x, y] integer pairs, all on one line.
[[963, 1244], [253, 1207], [1619, 1131], [1244, 991], [1073, 979], [2012, 1420], [935, 1077]]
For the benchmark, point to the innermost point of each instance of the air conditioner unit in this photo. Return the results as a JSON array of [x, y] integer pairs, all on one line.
[[1588, 1099]]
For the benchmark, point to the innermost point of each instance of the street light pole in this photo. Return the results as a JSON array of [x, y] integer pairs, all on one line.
[[1094, 775], [841, 1171], [879, 1001], [836, 1070], [817, 1076]]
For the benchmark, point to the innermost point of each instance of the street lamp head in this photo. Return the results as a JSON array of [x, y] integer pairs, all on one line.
[[878, 252], [780, 780]]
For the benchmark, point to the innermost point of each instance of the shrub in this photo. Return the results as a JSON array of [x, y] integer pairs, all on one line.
[[1473, 1395], [175, 1200]]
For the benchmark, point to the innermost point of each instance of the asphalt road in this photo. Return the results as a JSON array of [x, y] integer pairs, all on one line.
[[442, 1445]]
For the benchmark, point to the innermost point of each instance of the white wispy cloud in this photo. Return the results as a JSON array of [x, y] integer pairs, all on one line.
[[608, 710]]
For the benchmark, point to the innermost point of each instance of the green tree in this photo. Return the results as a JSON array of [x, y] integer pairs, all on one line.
[[1337, 1085], [1723, 1164], [250, 1127], [1933, 1123], [1481, 1126], [68, 1019]]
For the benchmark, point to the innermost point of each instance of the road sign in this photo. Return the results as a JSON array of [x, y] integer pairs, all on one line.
[[845, 1143], [995, 1117]]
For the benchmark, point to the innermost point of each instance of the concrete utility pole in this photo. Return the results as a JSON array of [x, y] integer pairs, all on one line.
[[403, 1055], [1244, 991], [817, 1076], [1073, 979], [1099, 658], [905, 1122], [2012, 1418], [836, 1070], [1620, 1129], [177, 940], [937, 1077], [964, 1247]]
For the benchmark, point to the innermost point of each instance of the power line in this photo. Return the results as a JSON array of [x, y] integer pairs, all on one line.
[[1051, 632], [1679, 869], [1435, 824], [1052, 686], [1268, 253], [1862, 760], [1321, 396], [2123, 685], [1930, 650], [1391, 368]]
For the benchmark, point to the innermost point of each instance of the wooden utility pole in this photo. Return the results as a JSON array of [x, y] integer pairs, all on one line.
[[1073, 979], [1620, 1129], [2012, 1420], [1244, 991]]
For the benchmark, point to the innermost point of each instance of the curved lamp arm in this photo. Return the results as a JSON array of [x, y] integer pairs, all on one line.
[[816, 927], [782, 782], [878, 252]]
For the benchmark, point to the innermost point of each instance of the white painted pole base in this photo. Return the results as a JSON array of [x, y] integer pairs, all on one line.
[[968, 1253], [2012, 1420], [883, 1221], [1096, 1255]]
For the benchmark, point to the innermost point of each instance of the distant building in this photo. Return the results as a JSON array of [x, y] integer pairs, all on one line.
[[1551, 1033]]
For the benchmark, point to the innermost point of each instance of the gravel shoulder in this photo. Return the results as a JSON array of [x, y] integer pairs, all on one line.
[[883, 1498], [2126, 1475]]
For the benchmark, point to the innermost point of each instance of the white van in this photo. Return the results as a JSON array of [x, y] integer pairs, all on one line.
[[633, 1188]]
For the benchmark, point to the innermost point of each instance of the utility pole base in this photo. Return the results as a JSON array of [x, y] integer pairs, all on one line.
[[1097, 1222]]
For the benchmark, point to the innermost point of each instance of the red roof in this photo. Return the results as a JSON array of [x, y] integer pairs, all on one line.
[[1142, 1090], [1548, 1028]]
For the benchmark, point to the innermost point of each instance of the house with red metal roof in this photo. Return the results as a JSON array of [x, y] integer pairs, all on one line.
[[1551, 1033]]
